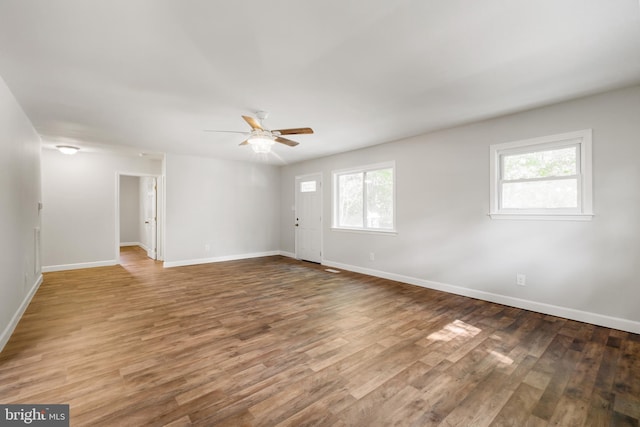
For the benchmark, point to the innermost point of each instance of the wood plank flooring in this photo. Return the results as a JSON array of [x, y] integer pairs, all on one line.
[[277, 342]]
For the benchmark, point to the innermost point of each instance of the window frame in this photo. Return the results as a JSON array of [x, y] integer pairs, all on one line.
[[335, 225], [582, 140]]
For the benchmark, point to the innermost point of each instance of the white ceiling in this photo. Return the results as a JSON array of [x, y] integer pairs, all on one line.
[[152, 74]]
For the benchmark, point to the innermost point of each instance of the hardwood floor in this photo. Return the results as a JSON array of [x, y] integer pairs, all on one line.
[[274, 341]]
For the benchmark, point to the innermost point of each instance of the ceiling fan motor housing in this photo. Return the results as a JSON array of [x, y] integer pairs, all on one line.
[[262, 115]]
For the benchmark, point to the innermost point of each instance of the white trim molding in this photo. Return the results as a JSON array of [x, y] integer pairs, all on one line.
[[78, 266], [181, 263], [532, 217], [287, 254], [6, 334], [366, 231], [539, 307]]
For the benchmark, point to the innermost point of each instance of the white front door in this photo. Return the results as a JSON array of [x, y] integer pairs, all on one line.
[[308, 217], [149, 207]]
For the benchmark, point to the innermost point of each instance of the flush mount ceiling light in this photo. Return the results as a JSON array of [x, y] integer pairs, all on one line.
[[67, 149]]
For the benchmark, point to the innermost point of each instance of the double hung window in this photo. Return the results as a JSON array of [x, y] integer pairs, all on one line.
[[542, 178]]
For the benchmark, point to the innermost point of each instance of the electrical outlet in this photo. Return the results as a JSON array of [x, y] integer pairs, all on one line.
[[521, 279], [207, 247], [372, 256]]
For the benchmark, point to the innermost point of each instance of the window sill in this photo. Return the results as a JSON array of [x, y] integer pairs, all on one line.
[[542, 217], [366, 231]]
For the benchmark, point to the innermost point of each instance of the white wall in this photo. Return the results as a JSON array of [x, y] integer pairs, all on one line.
[[79, 214], [130, 215], [19, 217], [231, 208], [582, 270]]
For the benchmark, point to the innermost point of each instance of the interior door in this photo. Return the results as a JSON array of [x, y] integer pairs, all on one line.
[[308, 217], [149, 208]]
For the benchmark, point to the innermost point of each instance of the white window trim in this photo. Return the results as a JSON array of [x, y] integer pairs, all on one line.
[[334, 199], [584, 212]]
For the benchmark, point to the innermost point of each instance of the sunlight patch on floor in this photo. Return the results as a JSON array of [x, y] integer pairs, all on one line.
[[501, 357], [455, 329]]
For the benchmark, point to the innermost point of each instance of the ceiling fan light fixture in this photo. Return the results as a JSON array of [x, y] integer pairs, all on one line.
[[262, 139], [261, 145], [260, 142]]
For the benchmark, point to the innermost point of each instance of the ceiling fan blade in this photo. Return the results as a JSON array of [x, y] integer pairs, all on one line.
[[244, 142], [286, 141], [252, 122], [293, 131], [225, 131]]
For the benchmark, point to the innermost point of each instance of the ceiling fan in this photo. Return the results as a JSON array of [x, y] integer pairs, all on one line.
[[261, 138]]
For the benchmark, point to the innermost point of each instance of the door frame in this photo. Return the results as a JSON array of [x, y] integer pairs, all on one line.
[[160, 197], [295, 211]]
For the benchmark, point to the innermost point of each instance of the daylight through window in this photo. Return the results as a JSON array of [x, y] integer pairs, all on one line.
[[364, 198], [543, 178]]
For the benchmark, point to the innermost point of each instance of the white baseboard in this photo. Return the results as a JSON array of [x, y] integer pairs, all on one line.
[[169, 264], [140, 244], [6, 334], [287, 254], [62, 267], [554, 310]]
